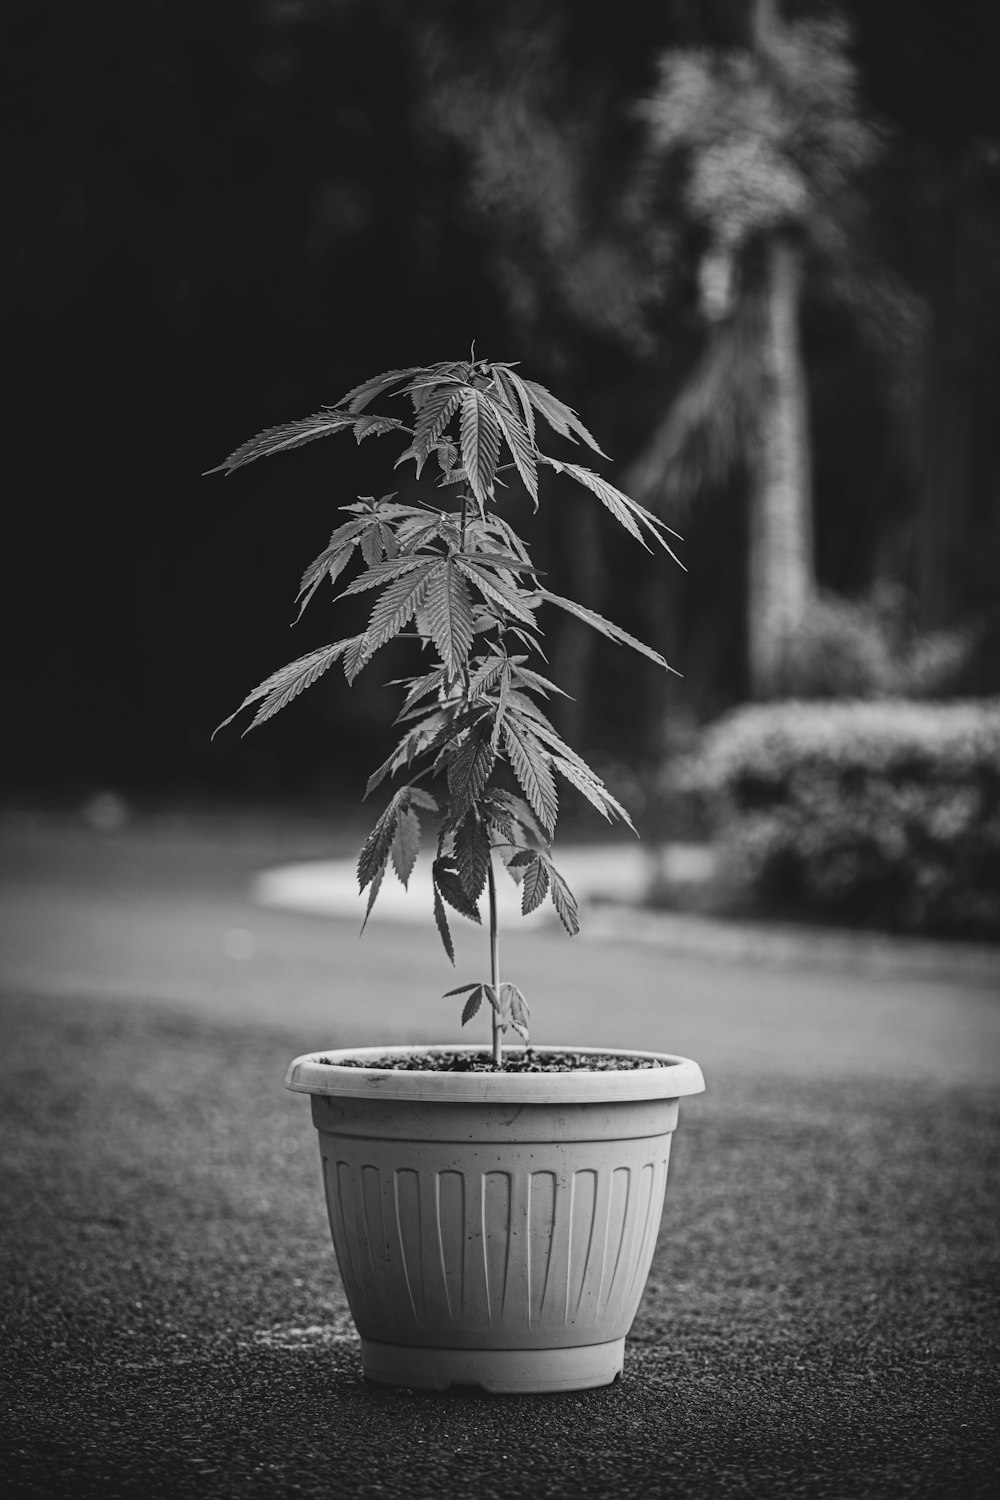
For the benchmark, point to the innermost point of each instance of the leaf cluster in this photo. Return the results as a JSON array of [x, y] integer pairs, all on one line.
[[454, 577]]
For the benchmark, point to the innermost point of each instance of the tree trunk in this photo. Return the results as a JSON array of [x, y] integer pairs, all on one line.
[[781, 563]]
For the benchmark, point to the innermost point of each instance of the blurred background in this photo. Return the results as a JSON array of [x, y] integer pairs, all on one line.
[[756, 246]]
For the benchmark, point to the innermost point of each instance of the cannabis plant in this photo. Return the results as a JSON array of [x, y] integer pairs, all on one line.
[[477, 753]]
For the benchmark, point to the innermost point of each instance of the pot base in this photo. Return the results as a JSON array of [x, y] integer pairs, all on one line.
[[502, 1372]]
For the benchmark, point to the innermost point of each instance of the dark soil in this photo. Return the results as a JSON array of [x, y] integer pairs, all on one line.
[[482, 1062]]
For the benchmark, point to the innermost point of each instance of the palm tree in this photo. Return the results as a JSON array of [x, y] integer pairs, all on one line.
[[770, 140]]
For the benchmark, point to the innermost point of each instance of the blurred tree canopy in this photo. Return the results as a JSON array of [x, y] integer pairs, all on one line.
[[222, 216]]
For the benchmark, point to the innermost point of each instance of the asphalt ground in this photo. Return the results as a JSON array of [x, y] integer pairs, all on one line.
[[821, 1317]]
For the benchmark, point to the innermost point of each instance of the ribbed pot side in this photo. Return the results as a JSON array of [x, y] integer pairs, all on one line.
[[503, 1242]]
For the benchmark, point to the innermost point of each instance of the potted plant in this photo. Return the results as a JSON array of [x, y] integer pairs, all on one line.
[[494, 1211]]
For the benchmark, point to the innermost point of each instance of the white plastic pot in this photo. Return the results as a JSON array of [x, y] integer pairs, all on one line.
[[493, 1229]]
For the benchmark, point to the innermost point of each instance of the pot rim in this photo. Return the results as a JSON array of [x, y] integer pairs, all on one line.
[[673, 1077]]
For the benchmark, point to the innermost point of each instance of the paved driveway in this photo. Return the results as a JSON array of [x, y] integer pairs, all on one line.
[[165, 914], [821, 1318]]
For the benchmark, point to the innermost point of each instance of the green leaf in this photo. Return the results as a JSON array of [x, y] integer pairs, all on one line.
[[534, 885], [406, 844], [531, 767], [606, 627], [480, 436], [288, 682], [448, 612], [560, 417], [287, 435], [331, 562]]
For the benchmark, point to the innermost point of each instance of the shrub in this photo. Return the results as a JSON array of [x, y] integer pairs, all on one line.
[[848, 648], [884, 813]]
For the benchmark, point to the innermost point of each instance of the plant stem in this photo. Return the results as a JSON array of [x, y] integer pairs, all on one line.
[[494, 965]]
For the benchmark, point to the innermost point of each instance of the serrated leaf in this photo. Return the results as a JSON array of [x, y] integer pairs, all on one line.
[[406, 845], [496, 591], [284, 437], [395, 608], [480, 437], [593, 789], [357, 399], [331, 562], [497, 559], [354, 657], [441, 918], [503, 696], [380, 572], [507, 534], [288, 682], [376, 886], [522, 814], [564, 902], [534, 885], [472, 856], [447, 456], [487, 671], [516, 389], [448, 613], [419, 688], [435, 414], [606, 627], [375, 852], [493, 997], [606, 493], [522, 449], [372, 426], [528, 678], [472, 1005], [469, 770], [516, 1007], [626, 511], [448, 882], [372, 546], [531, 767], [560, 417]]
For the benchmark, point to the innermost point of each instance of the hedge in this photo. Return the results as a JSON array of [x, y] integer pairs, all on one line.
[[881, 813]]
